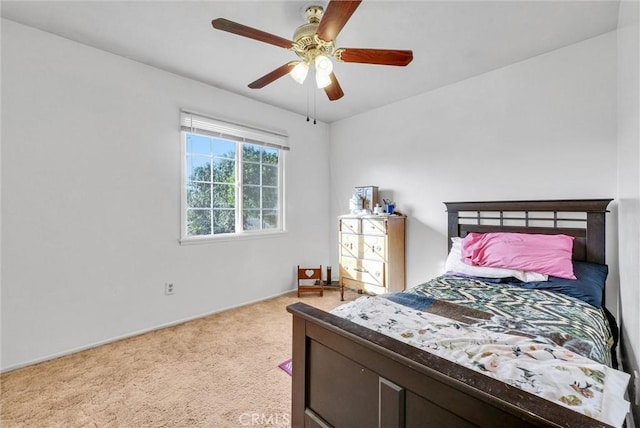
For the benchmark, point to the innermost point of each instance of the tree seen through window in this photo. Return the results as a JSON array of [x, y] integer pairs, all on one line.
[[217, 171]]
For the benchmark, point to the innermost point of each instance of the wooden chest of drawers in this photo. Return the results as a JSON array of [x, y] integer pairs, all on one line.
[[372, 253]]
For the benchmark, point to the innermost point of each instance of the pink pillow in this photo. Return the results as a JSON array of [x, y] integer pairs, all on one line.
[[547, 254]]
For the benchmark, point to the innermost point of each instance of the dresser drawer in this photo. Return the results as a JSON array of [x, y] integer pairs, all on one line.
[[350, 268], [351, 245], [372, 272], [368, 271], [350, 225], [374, 248], [373, 289], [367, 288], [374, 226]]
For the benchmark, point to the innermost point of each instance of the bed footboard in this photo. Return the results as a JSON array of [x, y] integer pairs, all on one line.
[[345, 375]]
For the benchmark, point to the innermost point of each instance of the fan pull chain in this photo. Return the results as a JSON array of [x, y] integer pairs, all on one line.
[[314, 106], [307, 103]]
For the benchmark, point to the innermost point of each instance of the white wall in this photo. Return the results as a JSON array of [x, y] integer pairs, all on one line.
[[91, 200], [542, 128], [629, 175]]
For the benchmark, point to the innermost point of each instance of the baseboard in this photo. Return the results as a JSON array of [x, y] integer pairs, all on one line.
[[136, 333], [630, 365]]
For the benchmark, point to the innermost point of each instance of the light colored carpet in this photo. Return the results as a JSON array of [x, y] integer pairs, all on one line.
[[218, 371]]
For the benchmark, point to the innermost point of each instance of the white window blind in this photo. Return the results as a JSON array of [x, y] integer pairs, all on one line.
[[193, 122]]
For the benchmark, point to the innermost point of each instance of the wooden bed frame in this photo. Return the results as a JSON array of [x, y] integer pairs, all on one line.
[[345, 375]]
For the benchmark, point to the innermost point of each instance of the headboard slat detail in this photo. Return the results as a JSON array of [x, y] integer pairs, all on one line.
[[589, 231]]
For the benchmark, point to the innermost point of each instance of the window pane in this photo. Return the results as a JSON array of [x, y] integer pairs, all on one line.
[[224, 148], [270, 156], [251, 197], [224, 171], [251, 173], [198, 195], [270, 219], [224, 221], [214, 169], [269, 198], [199, 168], [198, 144], [251, 153], [269, 175], [251, 219], [224, 196], [198, 222]]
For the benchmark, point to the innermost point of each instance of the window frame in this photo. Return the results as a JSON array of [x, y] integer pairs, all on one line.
[[239, 139]]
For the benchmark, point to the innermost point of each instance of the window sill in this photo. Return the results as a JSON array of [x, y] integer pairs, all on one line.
[[198, 240]]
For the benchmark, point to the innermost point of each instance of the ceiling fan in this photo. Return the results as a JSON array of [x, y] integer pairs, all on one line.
[[314, 43]]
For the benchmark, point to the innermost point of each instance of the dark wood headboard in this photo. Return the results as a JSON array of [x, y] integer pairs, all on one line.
[[582, 218]]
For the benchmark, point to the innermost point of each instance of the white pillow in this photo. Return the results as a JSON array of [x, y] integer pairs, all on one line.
[[455, 264]]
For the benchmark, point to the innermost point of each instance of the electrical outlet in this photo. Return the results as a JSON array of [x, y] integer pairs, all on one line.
[[169, 288]]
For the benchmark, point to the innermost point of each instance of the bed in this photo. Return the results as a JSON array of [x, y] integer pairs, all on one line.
[[348, 375]]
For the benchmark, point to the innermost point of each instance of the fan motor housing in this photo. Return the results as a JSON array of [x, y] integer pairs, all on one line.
[[304, 34], [306, 44]]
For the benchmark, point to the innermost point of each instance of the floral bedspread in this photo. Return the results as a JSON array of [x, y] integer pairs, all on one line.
[[537, 366]]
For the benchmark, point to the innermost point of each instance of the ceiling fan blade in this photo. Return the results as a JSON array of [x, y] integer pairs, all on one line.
[[376, 56], [252, 33], [274, 75], [334, 17], [334, 91]]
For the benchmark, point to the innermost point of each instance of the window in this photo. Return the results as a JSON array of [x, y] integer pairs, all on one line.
[[232, 179]]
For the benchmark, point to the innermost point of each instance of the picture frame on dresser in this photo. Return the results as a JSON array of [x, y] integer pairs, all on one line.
[[369, 195]]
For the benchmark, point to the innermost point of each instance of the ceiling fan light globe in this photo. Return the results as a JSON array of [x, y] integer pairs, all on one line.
[[299, 72], [323, 65], [323, 80]]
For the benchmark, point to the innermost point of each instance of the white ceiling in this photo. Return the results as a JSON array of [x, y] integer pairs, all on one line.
[[451, 41]]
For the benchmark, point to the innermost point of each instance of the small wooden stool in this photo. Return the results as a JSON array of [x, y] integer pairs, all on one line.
[[310, 280]]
